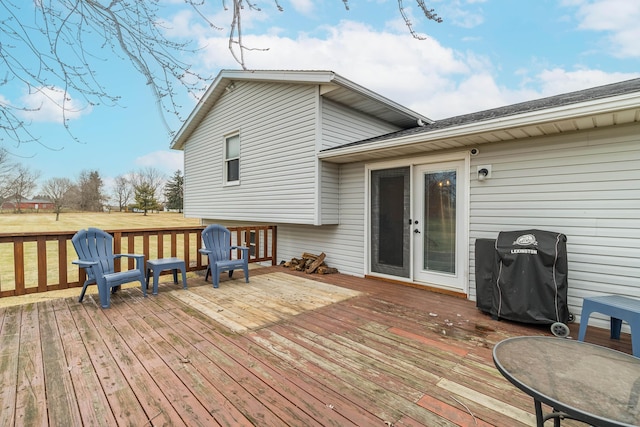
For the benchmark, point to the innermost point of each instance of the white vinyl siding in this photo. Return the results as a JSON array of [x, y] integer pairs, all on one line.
[[341, 125], [585, 185], [282, 126], [278, 166], [330, 187], [344, 243]]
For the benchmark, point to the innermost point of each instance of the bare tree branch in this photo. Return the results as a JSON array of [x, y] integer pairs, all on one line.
[[63, 44], [122, 191], [57, 189], [55, 48], [22, 184], [428, 13]]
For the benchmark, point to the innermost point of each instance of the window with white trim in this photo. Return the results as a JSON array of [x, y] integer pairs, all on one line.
[[232, 159]]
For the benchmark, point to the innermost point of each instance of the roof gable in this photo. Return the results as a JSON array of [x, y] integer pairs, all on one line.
[[332, 86]]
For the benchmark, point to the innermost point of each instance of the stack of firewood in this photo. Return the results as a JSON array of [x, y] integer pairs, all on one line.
[[310, 263]]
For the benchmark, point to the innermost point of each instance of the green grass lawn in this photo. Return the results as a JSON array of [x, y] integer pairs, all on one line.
[[29, 222]]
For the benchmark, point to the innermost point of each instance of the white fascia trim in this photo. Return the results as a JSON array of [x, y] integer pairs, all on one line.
[[318, 76], [177, 143], [339, 80], [600, 106]]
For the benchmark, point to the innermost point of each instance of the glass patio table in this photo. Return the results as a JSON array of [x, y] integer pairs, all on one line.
[[578, 380]]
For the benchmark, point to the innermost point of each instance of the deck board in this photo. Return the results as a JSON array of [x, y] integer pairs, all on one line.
[[285, 349], [61, 402], [93, 406], [143, 346], [235, 381], [9, 347], [31, 406], [98, 338]]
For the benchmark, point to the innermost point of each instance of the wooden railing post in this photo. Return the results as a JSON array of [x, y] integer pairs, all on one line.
[[117, 249], [62, 262], [42, 264], [160, 245], [186, 246], [18, 263], [274, 247], [131, 248]]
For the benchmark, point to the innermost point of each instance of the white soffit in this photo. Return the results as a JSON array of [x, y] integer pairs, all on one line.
[[569, 118]]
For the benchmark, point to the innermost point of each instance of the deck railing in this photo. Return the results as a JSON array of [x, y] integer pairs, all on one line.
[[40, 262]]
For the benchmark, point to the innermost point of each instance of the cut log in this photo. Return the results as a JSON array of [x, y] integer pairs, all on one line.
[[295, 264], [309, 263], [315, 264], [308, 255], [326, 270]]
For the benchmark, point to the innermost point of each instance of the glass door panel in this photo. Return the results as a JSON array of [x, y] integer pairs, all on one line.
[[390, 208], [439, 245], [439, 224]]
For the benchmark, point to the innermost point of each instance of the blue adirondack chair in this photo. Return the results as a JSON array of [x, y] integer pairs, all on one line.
[[95, 250], [217, 246]]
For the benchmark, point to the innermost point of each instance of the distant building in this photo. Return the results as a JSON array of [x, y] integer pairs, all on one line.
[[35, 204]]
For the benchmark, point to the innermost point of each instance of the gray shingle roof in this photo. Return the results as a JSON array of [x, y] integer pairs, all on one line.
[[606, 91]]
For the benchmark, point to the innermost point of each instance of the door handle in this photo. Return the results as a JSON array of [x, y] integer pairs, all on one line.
[[416, 231]]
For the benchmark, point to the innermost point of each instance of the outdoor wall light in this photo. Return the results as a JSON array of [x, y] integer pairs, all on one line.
[[230, 87], [484, 172]]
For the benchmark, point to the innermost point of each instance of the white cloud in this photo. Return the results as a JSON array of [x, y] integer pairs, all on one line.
[[426, 76], [618, 18], [394, 65], [4, 101], [461, 13], [464, 18], [476, 92], [480, 92], [165, 161], [305, 7], [51, 104], [182, 24], [556, 81]]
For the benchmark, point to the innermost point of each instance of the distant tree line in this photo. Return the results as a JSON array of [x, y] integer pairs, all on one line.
[[144, 190]]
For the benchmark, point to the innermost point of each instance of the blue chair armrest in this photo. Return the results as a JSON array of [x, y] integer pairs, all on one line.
[[244, 249], [137, 257], [84, 264], [204, 251], [129, 256]]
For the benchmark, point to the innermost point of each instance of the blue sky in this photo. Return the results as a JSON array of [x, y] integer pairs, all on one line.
[[485, 54]]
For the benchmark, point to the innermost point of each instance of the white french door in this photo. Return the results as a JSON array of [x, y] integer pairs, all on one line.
[[418, 223], [439, 225]]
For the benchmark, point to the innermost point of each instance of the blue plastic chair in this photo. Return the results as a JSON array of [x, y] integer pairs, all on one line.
[[217, 246], [95, 250]]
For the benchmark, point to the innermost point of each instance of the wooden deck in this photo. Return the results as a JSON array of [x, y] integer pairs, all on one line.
[[285, 349]]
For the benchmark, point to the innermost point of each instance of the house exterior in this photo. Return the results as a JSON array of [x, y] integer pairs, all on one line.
[[35, 204], [387, 192]]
